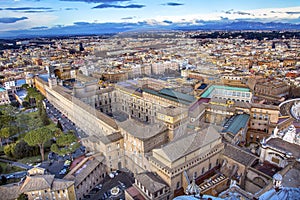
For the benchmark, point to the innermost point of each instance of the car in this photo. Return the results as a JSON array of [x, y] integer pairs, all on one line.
[[63, 171], [122, 184], [111, 175], [99, 186], [94, 191], [115, 173], [10, 176], [104, 196]]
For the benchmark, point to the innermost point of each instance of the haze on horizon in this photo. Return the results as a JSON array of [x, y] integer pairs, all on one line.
[[19, 16]]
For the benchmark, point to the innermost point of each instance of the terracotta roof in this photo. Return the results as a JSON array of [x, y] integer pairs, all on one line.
[[85, 167], [37, 182], [284, 146], [134, 193], [188, 143], [10, 191], [60, 184], [150, 181], [239, 155]]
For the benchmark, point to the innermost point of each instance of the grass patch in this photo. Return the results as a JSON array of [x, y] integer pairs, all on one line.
[[7, 168], [33, 159]]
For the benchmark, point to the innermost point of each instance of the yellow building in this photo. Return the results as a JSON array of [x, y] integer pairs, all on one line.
[[40, 186], [192, 154]]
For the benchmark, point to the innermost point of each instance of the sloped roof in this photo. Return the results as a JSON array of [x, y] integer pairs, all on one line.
[[239, 155], [86, 166], [150, 181], [10, 192], [188, 143], [236, 123], [37, 182], [60, 184]]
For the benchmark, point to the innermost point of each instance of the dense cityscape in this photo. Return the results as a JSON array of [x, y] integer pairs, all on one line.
[[149, 100], [151, 115]]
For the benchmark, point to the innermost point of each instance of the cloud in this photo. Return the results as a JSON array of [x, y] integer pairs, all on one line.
[[241, 13], [229, 12], [172, 4], [168, 21], [38, 11], [39, 27], [104, 5], [293, 13], [27, 8], [124, 18], [71, 8], [98, 1], [10, 20], [81, 23]]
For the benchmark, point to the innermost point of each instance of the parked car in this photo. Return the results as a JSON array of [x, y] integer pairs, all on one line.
[[111, 175], [99, 186], [122, 185]]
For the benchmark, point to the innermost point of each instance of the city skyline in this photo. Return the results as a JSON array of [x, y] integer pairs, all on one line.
[[33, 16]]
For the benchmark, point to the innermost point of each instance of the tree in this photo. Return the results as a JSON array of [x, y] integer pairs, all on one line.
[[22, 150], [59, 125], [44, 117], [65, 144], [9, 149], [5, 119], [6, 132], [3, 180], [38, 137], [23, 197]]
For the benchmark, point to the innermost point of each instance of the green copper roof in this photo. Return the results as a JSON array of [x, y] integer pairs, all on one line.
[[235, 123], [2, 89], [213, 87], [172, 95]]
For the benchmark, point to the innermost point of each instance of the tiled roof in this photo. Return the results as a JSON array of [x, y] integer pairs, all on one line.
[[188, 143], [60, 184], [9, 192], [239, 155], [37, 182], [150, 181], [85, 167], [284, 146]]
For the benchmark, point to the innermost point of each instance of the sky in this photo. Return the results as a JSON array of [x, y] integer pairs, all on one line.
[[16, 15]]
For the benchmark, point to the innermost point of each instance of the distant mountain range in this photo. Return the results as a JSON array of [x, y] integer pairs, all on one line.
[[84, 28]]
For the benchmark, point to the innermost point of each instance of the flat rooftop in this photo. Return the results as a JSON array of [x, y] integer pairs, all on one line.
[[207, 93]]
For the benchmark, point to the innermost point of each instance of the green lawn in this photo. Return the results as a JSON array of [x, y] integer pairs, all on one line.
[[7, 168], [33, 159]]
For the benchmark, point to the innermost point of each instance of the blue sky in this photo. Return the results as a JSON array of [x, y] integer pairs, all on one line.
[[43, 14]]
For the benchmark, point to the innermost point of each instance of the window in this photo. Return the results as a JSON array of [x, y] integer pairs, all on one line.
[[178, 185], [203, 170]]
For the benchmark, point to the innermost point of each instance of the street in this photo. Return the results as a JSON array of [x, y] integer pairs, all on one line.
[[123, 180]]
